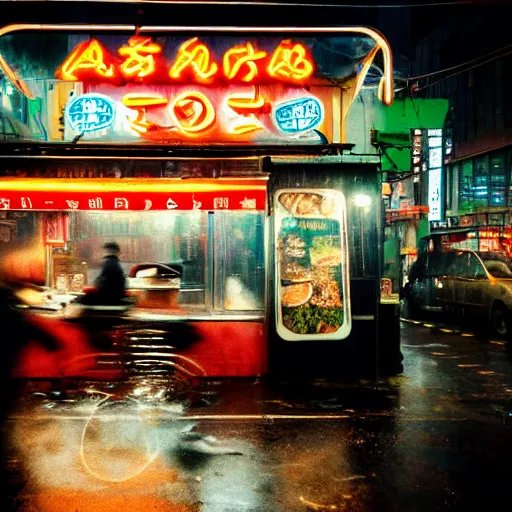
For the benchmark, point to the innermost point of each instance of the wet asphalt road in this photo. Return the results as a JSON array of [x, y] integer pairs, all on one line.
[[438, 437]]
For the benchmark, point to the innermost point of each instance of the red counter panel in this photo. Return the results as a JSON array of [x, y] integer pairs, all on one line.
[[230, 349]]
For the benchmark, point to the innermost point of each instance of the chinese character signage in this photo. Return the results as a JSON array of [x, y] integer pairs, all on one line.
[[312, 300], [196, 92], [141, 61]]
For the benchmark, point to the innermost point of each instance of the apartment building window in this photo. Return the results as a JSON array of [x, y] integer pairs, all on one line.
[[466, 186], [452, 187], [481, 182], [509, 164], [498, 181]]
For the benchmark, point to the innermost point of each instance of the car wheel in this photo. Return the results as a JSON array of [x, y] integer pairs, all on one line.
[[500, 321]]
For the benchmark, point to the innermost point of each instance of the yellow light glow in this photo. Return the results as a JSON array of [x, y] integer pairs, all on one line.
[[139, 61], [88, 56], [196, 56], [247, 127], [290, 61], [192, 112], [133, 99], [244, 101], [386, 82], [236, 57]]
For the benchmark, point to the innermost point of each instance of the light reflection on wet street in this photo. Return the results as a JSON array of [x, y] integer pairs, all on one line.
[[437, 437]]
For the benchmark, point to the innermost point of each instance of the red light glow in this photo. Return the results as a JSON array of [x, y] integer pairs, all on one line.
[[139, 57], [241, 58], [194, 58], [290, 61], [192, 112], [88, 60], [142, 61]]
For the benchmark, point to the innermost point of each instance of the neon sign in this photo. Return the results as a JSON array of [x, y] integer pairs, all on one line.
[[90, 113], [141, 61], [299, 115], [175, 113]]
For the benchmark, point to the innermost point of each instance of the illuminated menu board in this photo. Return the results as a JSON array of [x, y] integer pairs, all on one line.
[[312, 299]]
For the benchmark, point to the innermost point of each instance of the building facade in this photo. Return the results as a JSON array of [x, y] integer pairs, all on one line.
[[470, 65]]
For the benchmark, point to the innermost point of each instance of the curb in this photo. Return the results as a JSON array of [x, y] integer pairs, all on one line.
[[436, 327], [446, 330]]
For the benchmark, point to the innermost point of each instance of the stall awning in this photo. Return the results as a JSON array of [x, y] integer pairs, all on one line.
[[132, 194]]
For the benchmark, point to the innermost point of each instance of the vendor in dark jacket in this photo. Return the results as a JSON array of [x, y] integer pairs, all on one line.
[[110, 283]]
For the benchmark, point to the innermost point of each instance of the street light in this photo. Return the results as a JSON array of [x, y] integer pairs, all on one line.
[[362, 200]]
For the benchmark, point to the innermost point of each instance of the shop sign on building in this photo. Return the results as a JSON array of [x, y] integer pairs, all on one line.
[[262, 93], [435, 175]]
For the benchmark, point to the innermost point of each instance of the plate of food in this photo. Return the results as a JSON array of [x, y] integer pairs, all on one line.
[[296, 295], [295, 273]]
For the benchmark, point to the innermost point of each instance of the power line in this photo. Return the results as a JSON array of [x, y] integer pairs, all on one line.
[[463, 71], [305, 4], [440, 71]]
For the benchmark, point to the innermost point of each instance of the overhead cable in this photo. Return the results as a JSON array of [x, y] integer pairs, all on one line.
[[457, 66], [463, 71]]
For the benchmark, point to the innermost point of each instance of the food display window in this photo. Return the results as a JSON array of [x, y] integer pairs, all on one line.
[[312, 296], [220, 255]]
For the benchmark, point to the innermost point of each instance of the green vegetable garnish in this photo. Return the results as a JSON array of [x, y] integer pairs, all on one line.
[[306, 319]]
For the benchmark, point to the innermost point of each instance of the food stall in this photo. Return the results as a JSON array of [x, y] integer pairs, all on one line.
[[223, 150]]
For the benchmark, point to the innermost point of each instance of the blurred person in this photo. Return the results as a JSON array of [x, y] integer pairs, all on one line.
[[111, 283], [17, 268]]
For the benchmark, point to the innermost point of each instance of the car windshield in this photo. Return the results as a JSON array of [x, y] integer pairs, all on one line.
[[498, 265]]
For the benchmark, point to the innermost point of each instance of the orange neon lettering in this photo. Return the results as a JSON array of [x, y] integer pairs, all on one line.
[[245, 127], [133, 99], [139, 57], [88, 56], [290, 61], [194, 57], [247, 105], [192, 112], [236, 57], [138, 104], [241, 102]]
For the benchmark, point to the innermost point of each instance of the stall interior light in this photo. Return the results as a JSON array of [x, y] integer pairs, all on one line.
[[362, 200]]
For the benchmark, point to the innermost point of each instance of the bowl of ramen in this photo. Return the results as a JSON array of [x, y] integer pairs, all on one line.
[[296, 295]]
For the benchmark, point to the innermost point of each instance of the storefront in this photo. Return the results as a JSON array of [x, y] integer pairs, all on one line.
[[223, 156]]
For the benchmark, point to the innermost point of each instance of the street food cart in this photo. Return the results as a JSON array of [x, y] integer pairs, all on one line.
[[223, 149]]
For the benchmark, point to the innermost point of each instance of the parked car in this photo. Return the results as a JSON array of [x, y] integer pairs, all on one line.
[[467, 283]]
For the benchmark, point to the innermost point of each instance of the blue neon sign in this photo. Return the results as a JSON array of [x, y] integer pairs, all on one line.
[[90, 113], [299, 115]]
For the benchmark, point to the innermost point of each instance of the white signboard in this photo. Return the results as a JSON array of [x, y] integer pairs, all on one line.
[[434, 194]]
